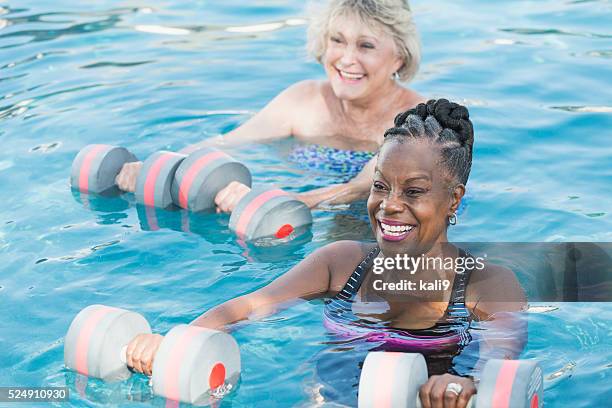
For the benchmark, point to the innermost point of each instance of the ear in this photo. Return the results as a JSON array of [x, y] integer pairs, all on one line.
[[457, 194], [398, 63]]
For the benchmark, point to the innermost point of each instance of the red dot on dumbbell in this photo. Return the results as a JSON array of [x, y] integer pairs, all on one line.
[[217, 376], [284, 231], [191, 362], [268, 213]]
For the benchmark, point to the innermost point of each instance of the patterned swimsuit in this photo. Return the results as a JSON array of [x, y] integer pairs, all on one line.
[[347, 163], [451, 333]]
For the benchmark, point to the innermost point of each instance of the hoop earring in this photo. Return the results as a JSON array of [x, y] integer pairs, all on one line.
[[452, 220]]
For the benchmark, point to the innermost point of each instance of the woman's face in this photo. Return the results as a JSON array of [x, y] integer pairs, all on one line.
[[359, 61], [411, 198]]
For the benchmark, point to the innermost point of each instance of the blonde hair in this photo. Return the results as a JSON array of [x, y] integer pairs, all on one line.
[[392, 16]]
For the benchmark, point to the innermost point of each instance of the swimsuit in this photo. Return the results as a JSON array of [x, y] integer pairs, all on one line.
[[338, 370], [453, 332], [347, 163]]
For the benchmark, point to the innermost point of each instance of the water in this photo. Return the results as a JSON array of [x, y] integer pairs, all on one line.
[[161, 75]]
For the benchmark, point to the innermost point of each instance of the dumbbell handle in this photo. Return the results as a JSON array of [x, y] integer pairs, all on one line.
[[123, 354]]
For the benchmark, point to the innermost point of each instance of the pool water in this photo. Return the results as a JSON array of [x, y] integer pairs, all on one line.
[[161, 75]]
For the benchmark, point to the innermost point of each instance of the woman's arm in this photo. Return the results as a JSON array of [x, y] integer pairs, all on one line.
[[311, 278], [307, 280], [355, 189], [276, 120]]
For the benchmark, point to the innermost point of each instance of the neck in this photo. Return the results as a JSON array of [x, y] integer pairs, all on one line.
[[373, 106]]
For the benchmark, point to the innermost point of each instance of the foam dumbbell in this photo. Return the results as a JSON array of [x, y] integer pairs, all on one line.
[[96, 166], [191, 365], [202, 175], [393, 380], [268, 213], [154, 182], [261, 213]]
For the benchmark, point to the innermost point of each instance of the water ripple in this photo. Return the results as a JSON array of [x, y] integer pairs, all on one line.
[[546, 31], [115, 64], [242, 29], [36, 57], [46, 147], [567, 369], [48, 34], [8, 78], [584, 109]]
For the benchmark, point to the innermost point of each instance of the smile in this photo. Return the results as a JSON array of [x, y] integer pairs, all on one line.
[[350, 76], [394, 231]]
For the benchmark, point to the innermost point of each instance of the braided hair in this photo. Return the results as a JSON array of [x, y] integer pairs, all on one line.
[[444, 123]]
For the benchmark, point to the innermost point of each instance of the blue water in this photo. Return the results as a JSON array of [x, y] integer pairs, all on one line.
[[535, 75]]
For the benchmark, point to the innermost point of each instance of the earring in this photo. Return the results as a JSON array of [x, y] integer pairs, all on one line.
[[452, 220], [396, 76]]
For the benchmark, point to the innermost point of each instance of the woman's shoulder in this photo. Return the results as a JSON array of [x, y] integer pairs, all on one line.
[[411, 98], [346, 255], [342, 259], [495, 288], [309, 88]]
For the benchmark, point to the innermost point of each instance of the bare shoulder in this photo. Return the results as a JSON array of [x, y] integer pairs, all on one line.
[[304, 90], [344, 256], [411, 99], [494, 288]]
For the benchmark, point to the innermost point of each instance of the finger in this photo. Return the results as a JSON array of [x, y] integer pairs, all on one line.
[[450, 399], [131, 176], [230, 202], [146, 359], [137, 356], [233, 202], [220, 197], [129, 351], [222, 205], [149, 356], [119, 179], [424, 392], [436, 395], [469, 389]]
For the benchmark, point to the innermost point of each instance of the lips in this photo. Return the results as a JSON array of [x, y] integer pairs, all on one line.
[[394, 230], [350, 77]]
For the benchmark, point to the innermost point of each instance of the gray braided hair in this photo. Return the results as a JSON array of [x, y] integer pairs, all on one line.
[[444, 123]]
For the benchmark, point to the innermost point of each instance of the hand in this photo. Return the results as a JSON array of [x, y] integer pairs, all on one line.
[[227, 198], [126, 179], [433, 393], [141, 352], [311, 200]]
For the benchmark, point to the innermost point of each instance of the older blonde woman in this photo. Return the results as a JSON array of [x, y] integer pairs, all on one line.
[[367, 47]]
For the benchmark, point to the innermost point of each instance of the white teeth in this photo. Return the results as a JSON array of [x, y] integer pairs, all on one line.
[[395, 230], [348, 75]]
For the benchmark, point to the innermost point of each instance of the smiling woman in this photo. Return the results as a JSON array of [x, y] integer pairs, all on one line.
[[366, 48], [420, 177]]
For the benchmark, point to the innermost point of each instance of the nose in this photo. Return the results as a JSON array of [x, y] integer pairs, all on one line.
[[391, 204], [349, 56]]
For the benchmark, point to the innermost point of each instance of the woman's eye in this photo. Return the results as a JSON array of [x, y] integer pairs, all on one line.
[[379, 186], [335, 39], [367, 45], [412, 192]]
